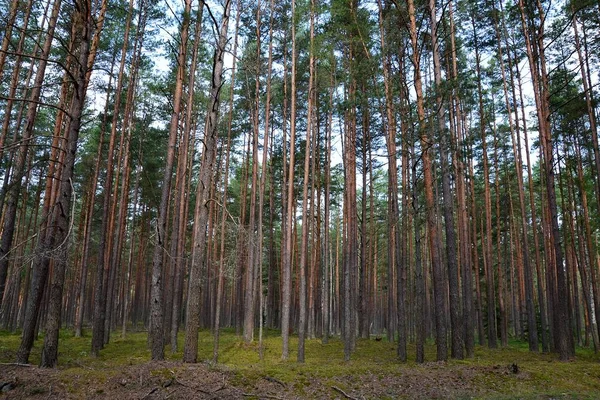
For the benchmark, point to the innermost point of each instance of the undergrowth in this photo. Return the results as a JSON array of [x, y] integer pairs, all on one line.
[[511, 372]]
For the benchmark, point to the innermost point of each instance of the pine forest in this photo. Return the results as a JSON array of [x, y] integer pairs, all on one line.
[[420, 173]]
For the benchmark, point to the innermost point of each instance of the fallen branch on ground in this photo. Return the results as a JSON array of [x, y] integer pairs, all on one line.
[[19, 365], [337, 389], [149, 393], [274, 380], [262, 396]]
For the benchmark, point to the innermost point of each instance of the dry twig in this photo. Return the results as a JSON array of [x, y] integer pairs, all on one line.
[[262, 396], [149, 393], [274, 380]]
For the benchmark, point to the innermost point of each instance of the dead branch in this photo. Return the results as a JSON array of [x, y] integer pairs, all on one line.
[[337, 389], [18, 365], [274, 380], [195, 388], [149, 393], [262, 396]]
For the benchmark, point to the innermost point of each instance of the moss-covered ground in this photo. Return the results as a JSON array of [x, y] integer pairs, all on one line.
[[123, 370]]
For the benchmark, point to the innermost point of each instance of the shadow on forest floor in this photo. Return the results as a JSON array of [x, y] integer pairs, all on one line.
[[122, 371]]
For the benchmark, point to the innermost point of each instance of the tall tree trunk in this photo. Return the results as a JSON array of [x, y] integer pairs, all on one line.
[[432, 228], [61, 215], [305, 194], [156, 331], [127, 285], [263, 177], [224, 212], [40, 267], [537, 64], [529, 294], [487, 243], [327, 267], [538, 262], [250, 290], [99, 319], [180, 207], [589, 99], [456, 138], [89, 212], [15, 186], [287, 256], [119, 222], [190, 350], [448, 198], [501, 280]]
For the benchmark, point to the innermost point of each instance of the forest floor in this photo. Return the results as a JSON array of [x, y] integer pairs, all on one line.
[[122, 371]]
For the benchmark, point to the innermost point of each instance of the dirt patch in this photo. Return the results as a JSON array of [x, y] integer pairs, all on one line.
[[175, 380], [421, 382], [154, 380]]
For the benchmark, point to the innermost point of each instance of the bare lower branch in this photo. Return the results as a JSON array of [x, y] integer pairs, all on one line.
[[41, 103]]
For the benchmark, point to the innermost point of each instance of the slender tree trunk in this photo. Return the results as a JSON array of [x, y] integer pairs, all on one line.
[[156, 332], [40, 267], [487, 247], [190, 351], [100, 307], [529, 294], [500, 272], [541, 91], [10, 22], [305, 210], [448, 203], [182, 194], [538, 263], [89, 211], [432, 228], [118, 219], [589, 100], [15, 186], [286, 283], [327, 267], [14, 84], [250, 292], [263, 178], [127, 285], [224, 212]]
